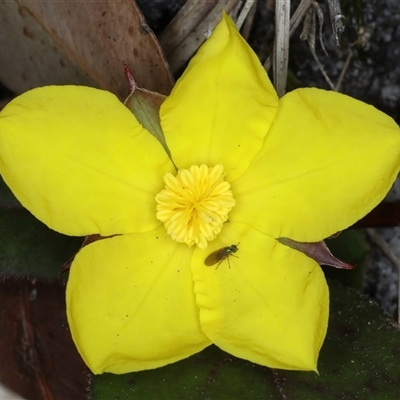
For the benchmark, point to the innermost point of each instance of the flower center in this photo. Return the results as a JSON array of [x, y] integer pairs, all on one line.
[[195, 204]]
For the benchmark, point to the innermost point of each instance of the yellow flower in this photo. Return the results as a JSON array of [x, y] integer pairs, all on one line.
[[252, 168]]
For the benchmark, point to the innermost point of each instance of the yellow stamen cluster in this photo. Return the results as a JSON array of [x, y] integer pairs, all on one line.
[[195, 204]]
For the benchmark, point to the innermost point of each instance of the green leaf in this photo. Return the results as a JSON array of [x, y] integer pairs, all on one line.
[[7, 199], [360, 356], [210, 374], [29, 249], [359, 360]]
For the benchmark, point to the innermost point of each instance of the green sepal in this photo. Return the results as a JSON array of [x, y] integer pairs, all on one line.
[[145, 105]]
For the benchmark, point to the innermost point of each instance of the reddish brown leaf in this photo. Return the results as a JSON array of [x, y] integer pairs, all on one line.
[[38, 357], [384, 215]]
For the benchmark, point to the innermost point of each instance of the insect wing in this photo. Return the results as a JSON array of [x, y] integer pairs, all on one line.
[[220, 255], [214, 257]]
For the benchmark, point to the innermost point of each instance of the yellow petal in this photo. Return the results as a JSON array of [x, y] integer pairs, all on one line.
[[327, 161], [80, 162], [130, 303], [269, 307], [222, 107]]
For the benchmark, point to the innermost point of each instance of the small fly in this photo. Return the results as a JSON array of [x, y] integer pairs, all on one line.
[[220, 255]]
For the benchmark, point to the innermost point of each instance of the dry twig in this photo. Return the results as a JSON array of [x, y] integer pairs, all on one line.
[[281, 49]]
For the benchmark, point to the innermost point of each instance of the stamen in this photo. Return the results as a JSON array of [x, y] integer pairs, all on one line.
[[195, 204]]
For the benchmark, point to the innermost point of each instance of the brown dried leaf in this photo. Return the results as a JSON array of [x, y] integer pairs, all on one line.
[[190, 27], [61, 42]]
